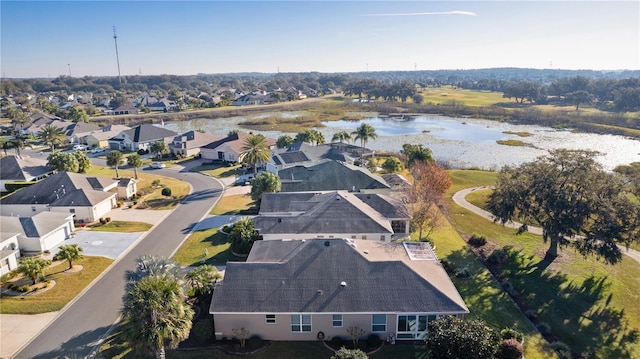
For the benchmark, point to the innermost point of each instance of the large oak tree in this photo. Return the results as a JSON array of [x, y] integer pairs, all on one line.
[[573, 199]]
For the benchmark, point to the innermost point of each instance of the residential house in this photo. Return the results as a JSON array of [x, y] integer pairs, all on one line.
[[100, 138], [336, 214], [330, 175], [302, 153], [317, 288], [229, 148], [125, 109], [140, 137], [73, 130], [127, 188], [189, 143], [9, 250], [88, 197], [40, 232], [77, 132], [254, 98], [163, 105], [22, 169], [396, 181]]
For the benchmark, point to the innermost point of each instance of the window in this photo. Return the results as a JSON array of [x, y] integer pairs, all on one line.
[[337, 320], [379, 323], [270, 319], [72, 210], [399, 226], [413, 326], [33, 208], [353, 237], [300, 323], [383, 237], [364, 236]]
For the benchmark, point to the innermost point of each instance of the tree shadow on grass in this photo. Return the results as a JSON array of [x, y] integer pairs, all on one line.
[[579, 313]]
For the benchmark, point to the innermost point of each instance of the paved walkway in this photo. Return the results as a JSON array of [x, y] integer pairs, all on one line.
[[15, 330], [459, 199]]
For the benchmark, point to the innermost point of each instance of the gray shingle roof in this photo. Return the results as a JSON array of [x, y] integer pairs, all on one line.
[[15, 168], [147, 132], [308, 280], [63, 189], [318, 213], [36, 226], [328, 175]]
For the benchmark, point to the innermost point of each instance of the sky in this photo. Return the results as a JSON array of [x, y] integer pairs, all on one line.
[[53, 38]]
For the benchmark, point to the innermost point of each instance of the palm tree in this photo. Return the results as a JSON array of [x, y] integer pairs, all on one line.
[[18, 118], [203, 278], [364, 133], [114, 159], [342, 136], [52, 135], [69, 253], [134, 161], [5, 145], [33, 267], [18, 144], [155, 314], [148, 265], [255, 151]]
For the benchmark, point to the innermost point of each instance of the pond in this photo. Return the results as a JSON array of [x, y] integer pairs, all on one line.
[[464, 142]]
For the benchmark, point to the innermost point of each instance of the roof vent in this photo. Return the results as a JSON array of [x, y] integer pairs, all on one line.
[[319, 291], [327, 243], [279, 220], [343, 284], [366, 251], [337, 198]]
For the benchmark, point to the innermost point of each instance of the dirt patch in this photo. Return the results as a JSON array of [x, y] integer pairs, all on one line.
[[22, 287], [75, 269]]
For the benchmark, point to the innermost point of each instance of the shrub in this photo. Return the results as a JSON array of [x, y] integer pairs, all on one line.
[[463, 273], [510, 333], [202, 331], [102, 221], [498, 256], [531, 314], [23, 289], [254, 342], [12, 286], [155, 183], [508, 287], [7, 277], [345, 353], [337, 342], [477, 240], [448, 266], [135, 202], [108, 219], [166, 191], [511, 349], [373, 341], [563, 349], [142, 151], [119, 204], [544, 328]]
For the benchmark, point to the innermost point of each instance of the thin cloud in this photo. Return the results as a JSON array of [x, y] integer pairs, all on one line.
[[454, 12]]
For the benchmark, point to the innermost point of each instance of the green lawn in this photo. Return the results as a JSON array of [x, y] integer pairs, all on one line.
[[228, 205], [122, 226], [219, 171], [68, 285], [448, 94], [585, 302], [208, 246], [152, 196]]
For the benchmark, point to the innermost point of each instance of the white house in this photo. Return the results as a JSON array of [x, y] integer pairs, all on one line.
[[40, 232], [9, 250]]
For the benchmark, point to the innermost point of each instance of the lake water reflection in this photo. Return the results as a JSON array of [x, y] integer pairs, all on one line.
[[463, 142]]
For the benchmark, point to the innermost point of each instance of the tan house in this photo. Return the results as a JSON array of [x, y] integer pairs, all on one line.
[[189, 143], [316, 289], [100, 138], [335, 214], [229, 148]]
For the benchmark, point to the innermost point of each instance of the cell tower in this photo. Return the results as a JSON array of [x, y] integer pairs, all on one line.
[[115, 39]]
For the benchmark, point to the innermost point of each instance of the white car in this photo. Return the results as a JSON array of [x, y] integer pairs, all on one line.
[[158, 165], [97, 150], [80, 147]]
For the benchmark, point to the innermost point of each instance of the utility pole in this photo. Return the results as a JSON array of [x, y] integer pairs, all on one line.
[[69, 65], [115, 39]]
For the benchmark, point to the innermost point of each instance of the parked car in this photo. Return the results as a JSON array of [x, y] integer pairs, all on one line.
[[158, 165], [97, 150], [80, 147]]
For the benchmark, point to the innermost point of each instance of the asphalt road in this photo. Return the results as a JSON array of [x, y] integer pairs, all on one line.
[[80, 326]]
